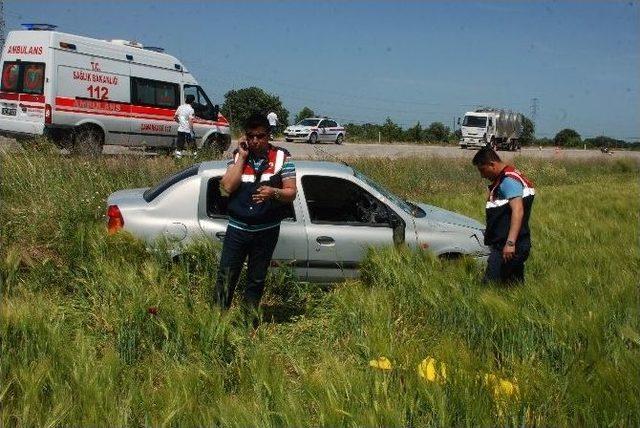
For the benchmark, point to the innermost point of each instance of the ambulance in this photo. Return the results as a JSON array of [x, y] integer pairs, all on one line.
[[84, 93]]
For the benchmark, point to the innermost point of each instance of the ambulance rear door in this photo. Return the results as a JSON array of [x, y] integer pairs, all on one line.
[[22, 90]]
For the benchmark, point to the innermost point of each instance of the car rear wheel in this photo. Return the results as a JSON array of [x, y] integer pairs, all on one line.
[[340, 139], [313, 138], [87, 141]]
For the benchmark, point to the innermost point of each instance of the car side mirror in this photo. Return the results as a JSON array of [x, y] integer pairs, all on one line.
[[215, 112]]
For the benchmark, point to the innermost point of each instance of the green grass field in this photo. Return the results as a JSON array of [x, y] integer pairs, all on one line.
[[94, 330]]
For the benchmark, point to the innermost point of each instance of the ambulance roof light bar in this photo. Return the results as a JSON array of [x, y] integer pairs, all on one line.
[[39, 27]]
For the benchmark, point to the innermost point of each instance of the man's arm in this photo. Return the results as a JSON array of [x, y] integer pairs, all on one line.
[[517, 214], [191, 116], [233, 176], [289, 188], [286, 194]]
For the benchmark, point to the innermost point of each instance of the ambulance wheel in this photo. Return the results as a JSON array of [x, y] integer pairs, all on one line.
[[313, 138], [87, 141], [216, 144], [340, 139]]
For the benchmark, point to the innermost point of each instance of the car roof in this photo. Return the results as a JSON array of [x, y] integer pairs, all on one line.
[[303, 166]]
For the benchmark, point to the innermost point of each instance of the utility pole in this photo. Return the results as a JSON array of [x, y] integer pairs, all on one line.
[[534, 110], [1, 25]]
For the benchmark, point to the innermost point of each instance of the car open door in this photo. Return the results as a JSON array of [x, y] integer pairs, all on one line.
[[344, 221]]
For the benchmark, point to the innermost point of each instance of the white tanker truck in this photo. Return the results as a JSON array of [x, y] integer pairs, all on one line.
[[500, 129]]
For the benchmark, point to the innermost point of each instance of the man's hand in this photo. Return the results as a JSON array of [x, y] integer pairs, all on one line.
[[243, 149], [508, 252], [263, 193]]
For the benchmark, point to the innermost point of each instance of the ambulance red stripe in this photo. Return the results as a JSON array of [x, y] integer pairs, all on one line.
[[14, 96], [70, 105]]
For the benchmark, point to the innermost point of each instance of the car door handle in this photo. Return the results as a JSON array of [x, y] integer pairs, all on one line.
[[220, 235], [325, 240]]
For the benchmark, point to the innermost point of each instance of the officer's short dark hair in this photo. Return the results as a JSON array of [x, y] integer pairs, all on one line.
[[189, 99], [485, 156], [256, 120]]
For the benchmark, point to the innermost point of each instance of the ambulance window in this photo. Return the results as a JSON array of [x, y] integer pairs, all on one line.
[[145, 92], [202, 105], [166, 95], [33, 79], [10, 74], [23, 77], [154, 93]]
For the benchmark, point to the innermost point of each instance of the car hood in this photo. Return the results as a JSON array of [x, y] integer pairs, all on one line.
[[299, 128], [126, 197], [444, 217]]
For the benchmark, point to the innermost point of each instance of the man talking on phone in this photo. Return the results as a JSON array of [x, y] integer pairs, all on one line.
[[260, 181]]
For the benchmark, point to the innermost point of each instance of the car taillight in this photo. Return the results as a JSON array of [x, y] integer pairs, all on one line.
[[47, 114], [115, 222]]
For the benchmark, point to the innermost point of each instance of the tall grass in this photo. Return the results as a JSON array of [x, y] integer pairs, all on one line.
[[95, 330]]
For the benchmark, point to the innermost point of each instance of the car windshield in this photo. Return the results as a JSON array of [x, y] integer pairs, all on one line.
[[406, 206], [475, 121], [309, 122]]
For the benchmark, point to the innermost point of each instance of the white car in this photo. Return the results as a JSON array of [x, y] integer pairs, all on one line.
[[315, 129], [337, 215]]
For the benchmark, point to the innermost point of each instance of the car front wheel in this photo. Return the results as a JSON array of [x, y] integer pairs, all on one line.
[[340, 139], [313, 138]]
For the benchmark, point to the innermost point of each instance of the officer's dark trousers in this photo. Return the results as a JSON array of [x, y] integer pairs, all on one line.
[[238, 245], [510, 272]]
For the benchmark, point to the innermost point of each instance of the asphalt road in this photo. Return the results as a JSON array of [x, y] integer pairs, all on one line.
[[350, 150]]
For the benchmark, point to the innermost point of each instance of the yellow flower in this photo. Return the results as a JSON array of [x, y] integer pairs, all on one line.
[[381, 363], [427, 369], [502, 388]]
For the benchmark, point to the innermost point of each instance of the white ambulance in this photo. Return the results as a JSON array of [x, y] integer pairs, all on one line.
[[84, 93]]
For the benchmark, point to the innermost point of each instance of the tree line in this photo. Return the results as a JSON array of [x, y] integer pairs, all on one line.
[[240, 103]]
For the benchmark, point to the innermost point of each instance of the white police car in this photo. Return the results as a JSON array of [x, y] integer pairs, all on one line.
[[315, 129]]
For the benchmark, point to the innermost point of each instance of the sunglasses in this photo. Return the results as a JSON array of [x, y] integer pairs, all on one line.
[[259, 136]]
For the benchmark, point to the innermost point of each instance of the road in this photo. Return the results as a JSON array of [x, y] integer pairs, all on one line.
[[351, 150]]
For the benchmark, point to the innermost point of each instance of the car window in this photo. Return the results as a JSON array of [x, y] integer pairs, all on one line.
[[332, 200], [322, 124], [308, 122], [153, 192], [331, 124], [217, 204], [406, 206]]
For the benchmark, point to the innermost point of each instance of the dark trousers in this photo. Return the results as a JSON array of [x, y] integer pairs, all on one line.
[[184, 140], [507, 272], [239, 245]]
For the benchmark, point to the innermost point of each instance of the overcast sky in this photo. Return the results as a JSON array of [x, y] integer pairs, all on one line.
[[414, 61]]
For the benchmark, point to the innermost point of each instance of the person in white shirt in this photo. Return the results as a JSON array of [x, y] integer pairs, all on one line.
[[273, 123], [184, 116]]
